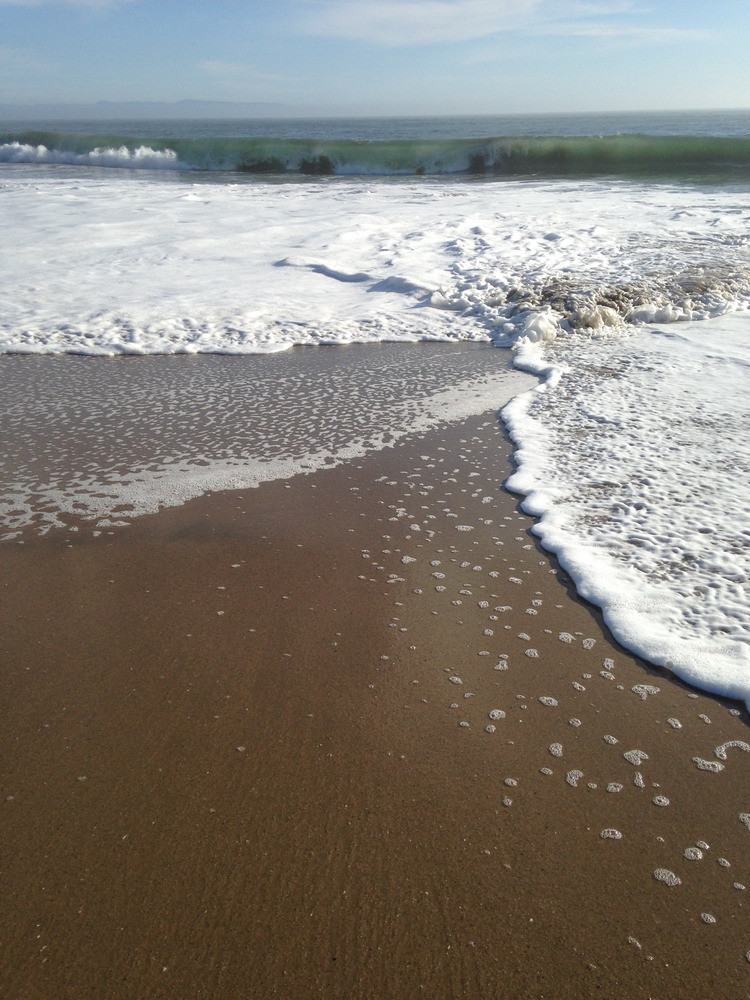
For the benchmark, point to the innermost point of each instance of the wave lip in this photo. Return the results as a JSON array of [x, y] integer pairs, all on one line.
[[576, 156], [139, 158]]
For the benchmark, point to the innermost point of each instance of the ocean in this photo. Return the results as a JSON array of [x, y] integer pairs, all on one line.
[[604, 258]]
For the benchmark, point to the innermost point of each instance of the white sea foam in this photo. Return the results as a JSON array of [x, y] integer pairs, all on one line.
[[168, 267], [633, 454], [637, 465]]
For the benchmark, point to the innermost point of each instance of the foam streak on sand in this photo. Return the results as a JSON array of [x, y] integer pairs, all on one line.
[[165, 430]]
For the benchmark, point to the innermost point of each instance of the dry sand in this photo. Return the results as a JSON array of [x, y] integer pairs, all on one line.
[[246, 754]]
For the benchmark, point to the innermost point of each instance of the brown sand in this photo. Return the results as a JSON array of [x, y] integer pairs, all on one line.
[[232, 767]]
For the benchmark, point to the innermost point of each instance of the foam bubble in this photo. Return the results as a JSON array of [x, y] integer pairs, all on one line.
[[721, 751], [708, 765], [644, 690], [610, 834], [667, 877], [556, 749]]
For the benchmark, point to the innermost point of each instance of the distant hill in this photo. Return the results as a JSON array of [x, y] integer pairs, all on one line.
[[148, 110]]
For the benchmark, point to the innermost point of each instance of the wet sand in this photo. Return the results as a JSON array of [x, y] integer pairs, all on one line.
[[246, 754]]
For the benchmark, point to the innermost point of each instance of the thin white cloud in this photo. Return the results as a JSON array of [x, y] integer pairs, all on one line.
[[630, 32], [228, 71], [82, 4], [217, 67], [431, 22], [24, 60], [416, 22], [26, 75]]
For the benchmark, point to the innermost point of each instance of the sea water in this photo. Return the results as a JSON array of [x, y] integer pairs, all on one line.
[[611, 256]]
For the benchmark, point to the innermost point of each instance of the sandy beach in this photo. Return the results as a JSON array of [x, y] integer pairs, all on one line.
[[353, 735]]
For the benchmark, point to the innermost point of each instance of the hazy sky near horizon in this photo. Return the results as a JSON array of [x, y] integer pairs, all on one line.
[[381, 56]]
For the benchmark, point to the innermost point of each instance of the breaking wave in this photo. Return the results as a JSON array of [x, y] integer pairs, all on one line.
[[615, 155], [140, 157]]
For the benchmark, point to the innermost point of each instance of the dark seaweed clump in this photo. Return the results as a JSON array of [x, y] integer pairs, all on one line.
[[271, 165], [321, 166]]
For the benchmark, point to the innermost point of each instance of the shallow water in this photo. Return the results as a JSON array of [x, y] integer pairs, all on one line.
[[107, 439]]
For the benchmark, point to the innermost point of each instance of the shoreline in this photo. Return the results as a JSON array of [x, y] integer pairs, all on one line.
[[233, 768]]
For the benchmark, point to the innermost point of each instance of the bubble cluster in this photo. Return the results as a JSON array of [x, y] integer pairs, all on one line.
[[708, 765], [721, 751], [667, 877]]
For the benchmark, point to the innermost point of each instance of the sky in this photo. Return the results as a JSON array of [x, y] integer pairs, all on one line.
[[381, 56]]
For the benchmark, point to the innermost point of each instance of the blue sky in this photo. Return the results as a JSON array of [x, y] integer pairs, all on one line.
[[382, 56]]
